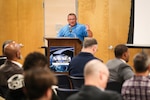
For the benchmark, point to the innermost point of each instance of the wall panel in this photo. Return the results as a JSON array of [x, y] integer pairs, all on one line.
[[22, 21], [109, 21], [8, 20], [31, 25]]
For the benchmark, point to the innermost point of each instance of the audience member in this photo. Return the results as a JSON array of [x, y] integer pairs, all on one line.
[[37, 60], [96, 75], [74, 29], [34, 60], [138, 87], [3, 57], [16, 88], [118, 67], [11, 66], [77, 64], [38, 83], [5, 43]]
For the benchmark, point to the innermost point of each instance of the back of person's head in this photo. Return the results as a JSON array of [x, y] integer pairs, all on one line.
[[96, 73], [5, 43], [90, 45], [89, 41], [38, 83], [12, 51], [35, 59], [141, 62], [120, 50]]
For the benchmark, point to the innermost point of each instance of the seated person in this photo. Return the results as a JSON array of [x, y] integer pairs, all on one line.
[[34, 60], [138, 87], [118, 67], [3, 57], [96, 75], [78, 62], [11, 66], [37, 60], [38, 84]]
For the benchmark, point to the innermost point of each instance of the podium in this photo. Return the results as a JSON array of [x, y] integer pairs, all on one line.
[[64, 41], [57, 47]]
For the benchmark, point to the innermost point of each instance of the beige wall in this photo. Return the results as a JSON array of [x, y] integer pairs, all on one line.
[[109, 21], [23, 21], [55, 15]]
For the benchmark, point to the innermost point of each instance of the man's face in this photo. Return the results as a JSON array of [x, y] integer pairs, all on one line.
[[72, 20], [127, 56]]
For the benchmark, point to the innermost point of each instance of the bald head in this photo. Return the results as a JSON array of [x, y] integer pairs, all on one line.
[[12, 51], [96, 73], [4, 44]]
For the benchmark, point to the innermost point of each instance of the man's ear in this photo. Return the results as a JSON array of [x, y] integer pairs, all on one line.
[[49, 93], [125, 54], [94, 48], [148, 67], [18, 55], [100, 76]]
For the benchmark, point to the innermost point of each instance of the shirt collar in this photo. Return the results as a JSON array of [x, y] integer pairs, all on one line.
[[123, 60], [17, 63]]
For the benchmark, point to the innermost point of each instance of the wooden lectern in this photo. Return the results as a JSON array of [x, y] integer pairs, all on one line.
[[75, 43], [64, 41]]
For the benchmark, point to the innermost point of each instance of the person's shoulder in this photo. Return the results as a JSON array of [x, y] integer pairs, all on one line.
[[124, 65], [126, 82], [112, 95], [4, 67], [73, 97], [64, 27], [81, 25], [111, 61]]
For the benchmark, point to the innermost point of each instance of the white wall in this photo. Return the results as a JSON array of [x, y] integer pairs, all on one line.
[[142, 22], [55, 13]]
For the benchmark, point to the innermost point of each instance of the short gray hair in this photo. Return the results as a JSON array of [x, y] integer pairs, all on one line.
[[89, 41]]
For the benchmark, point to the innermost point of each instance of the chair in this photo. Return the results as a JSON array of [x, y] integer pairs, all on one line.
[[63, 81], [2, 59], [76, 81], [114, 86], [63, 94]]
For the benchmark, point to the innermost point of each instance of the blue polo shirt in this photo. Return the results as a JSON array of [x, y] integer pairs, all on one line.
[[79, 31]]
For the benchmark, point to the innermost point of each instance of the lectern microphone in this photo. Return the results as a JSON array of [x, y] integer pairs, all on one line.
[[70, 29]]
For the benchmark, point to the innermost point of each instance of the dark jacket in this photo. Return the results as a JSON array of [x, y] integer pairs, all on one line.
[[94, 93], [6, 71]]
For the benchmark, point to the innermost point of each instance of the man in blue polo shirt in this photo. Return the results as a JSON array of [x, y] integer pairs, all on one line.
[[74, 29]]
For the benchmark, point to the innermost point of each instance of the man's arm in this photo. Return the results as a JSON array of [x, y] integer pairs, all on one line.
[[125, 71], [90, 34]]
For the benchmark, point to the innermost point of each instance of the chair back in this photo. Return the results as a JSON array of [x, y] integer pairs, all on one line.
[[2, 59], [63, 81], [77, 82], [63, 94], [114, 86]]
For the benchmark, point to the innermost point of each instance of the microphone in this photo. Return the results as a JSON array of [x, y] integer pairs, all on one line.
[[70, 29]]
